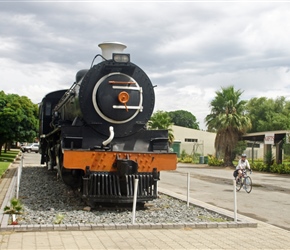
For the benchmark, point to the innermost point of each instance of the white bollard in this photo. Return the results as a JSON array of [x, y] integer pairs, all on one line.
[[19, 171], [135, 200], [235, 201], [13, 218], [188, 188]]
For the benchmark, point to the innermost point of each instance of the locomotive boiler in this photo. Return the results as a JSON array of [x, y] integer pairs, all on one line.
[[95, 133]]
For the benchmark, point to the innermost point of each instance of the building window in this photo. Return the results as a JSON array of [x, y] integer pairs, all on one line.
[[190, 140], [254, 145]]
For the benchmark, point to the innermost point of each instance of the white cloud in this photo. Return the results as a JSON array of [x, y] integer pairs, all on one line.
[[189, 49]]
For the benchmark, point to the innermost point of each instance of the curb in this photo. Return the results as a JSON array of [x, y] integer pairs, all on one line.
[[88, 227]]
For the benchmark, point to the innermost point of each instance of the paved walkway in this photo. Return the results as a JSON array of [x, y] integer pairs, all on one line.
[[264, 236]]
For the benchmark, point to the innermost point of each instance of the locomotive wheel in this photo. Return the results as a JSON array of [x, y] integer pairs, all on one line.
[[72, 178]]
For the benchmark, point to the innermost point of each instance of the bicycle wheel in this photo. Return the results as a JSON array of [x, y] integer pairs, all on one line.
[[239, 184], [248, 184]]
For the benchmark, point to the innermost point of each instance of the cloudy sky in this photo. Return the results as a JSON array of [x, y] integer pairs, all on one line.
[[189, 49]]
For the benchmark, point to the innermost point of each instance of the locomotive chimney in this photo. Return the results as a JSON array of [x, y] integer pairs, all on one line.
[[108, 48]]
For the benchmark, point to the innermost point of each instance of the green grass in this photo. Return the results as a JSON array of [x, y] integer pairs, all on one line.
[[6, 159]]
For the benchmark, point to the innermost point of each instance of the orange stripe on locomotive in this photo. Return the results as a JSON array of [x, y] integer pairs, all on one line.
[[104, 161]]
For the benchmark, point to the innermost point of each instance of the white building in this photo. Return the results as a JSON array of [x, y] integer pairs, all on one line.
[[200, 142], [193, 141]]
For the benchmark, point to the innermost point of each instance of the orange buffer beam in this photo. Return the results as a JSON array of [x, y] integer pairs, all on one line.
[[103, 161]]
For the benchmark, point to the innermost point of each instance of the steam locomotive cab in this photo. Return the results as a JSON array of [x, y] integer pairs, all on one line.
[[98, 138]]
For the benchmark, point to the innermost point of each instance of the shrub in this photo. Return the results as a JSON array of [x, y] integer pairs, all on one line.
[[183, 154], [187, 159], [274, 168], [259, 166], [14, 208], [213, 161], [280, 168]]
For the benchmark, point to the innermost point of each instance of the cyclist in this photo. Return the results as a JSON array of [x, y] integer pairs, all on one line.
[[242, 164]]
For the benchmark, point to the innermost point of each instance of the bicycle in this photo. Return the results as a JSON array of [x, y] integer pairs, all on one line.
[[245, 181]]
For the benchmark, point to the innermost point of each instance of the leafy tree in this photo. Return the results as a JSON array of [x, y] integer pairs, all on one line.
[[28, 128], [18, 118], [162, 120], [183, 118], [239, 149], [269, 114], [228, 119]]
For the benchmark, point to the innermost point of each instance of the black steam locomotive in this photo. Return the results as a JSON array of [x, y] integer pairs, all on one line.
[[95, 132]]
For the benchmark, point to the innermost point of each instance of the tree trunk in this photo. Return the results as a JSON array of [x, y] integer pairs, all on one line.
[[228, 158]]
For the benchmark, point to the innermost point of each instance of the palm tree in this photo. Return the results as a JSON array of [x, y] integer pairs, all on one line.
[[228, 119], [162, 120]]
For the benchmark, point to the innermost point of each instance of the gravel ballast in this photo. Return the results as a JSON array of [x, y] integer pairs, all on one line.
[[47, 200]]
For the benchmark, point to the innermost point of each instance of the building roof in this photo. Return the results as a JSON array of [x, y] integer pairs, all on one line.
[[259, 136]]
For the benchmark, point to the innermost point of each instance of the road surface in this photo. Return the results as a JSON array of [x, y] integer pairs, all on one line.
[[269, 200]]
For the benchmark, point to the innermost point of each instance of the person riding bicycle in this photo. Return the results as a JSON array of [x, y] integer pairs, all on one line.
[[242, 164]]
